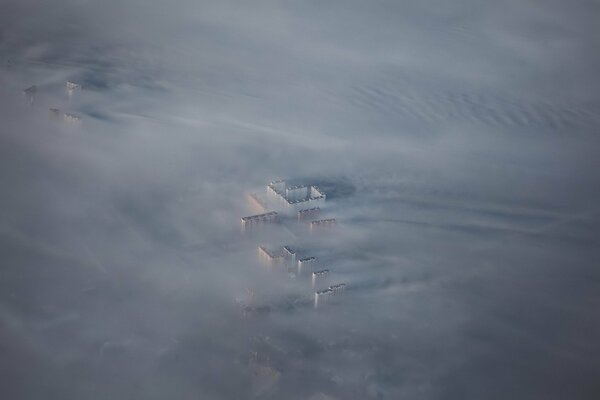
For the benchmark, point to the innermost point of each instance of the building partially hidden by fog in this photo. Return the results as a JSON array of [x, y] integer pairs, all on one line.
[[306, 263], [319, 276], [258, 219], [72, 119], [29, 94], [281, 256], [54, 112], [324, 295], [309, 213], [304, 202], [72, 87], [289, 254], [294, 198], [329, 222]]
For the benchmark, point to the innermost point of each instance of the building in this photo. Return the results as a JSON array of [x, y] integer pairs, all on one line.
[[294, 198], [258, 219], [329, 222], [29, 94], [322, 296], [72, 86], [309, 213], [306, 263], [289, 255], [268, 257], [318, 276], [284, 255], [71, 119], [54, 112], [337, 289]]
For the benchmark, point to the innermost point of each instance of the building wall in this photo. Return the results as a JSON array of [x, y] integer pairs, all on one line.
[[296, 193]]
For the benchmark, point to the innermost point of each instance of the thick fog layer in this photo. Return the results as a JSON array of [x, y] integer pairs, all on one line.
[[457, 142]]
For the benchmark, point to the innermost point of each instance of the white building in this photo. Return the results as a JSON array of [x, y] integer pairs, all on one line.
[[72, 87], [72, 119], [258, 219], [319, 276], [281, 256], [309, 213], [329, 222], [306, 263], [322, 296], [294, 198]]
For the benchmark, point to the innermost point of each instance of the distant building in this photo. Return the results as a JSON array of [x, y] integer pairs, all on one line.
[[319, 275], [294, 198], [29, 94], [258, 219], [268, 257], [71, 119], [323, 295], [54, 112], [306, 263], [289, 254], [309, 213], [277, 257], [337, 289], [329, 222], [72, 87]]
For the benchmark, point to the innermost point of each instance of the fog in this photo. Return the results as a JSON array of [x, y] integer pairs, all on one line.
[[457, 143]]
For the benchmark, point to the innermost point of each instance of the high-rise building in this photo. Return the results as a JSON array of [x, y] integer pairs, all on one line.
[[306, 264], [258, 219], [318, 276], [323, 295], [281, 256], [329, 222], [72, 87], [294, 198], [72, 119], [29, 94], [309, 213]]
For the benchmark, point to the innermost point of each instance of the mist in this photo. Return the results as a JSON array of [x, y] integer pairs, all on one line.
[[457, 143]]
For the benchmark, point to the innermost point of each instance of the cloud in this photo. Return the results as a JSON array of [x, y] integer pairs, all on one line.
[[457, 143]]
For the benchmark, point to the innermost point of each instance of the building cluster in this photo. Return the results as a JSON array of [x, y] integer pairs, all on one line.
[[67, 117], [293, 199], [305, 201]]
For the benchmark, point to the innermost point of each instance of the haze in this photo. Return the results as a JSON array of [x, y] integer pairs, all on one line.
[[458, 143]]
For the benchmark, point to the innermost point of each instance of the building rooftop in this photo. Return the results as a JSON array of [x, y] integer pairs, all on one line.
[[259, 216], [323, 221]]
